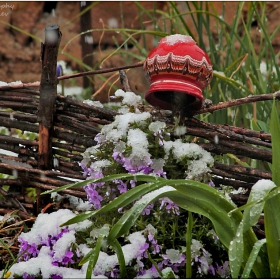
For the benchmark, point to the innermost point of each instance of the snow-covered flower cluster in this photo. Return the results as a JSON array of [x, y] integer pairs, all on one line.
[[48, 250], [203, 262], [52, 252], [134, 143]]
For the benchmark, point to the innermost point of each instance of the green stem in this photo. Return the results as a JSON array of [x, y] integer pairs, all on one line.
[[188, 246]]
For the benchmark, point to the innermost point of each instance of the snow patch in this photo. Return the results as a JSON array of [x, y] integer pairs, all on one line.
[[261, 188], [138, 141], [199, 159], [129, 98], [177, 38], [41, 232], [93, 103], [119, 128], [157, 126]]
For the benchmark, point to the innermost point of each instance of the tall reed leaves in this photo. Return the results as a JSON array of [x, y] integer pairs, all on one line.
[[272, 206]]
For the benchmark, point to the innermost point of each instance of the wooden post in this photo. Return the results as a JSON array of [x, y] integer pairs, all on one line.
[[48, 94]]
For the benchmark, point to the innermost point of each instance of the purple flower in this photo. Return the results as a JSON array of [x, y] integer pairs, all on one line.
[[56, 276], [211, 184], [152, 272], [58, 70], [27, 276], [143, 251], [223, 270], [169, 206], [156, 248], [99, 138], [93, 196], [148, 209], [114, 273], [132, 183], [117, 156], [121, 186], [33, 250], [174, 259], [211, 269], [52, 239], [160, 173], [55, 263], [68, 258], [28, 250], [146, 169]]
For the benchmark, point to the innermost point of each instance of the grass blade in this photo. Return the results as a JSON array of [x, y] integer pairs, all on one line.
[[129, 218], [272, 205], [188, 246], [275, 139], [252, 258], [118, 249], [109, 178], [92, 256]]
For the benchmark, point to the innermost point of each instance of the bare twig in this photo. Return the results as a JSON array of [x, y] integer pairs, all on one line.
[[124, 81], [238, 102], [101, 71]]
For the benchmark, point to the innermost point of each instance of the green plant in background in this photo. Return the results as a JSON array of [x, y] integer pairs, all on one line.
[[9, 224]]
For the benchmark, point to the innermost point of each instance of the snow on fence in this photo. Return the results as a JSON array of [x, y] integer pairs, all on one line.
[[64, 127]]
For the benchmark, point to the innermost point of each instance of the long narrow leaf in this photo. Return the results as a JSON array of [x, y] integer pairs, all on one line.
[[123, 176], [92, 256], [252, 258], [236, 250], [188, 246], [272, 206], [118, 249], [123, 200], [199, 198], [225, 226], [272, 231], [275, 139], [129, 218]]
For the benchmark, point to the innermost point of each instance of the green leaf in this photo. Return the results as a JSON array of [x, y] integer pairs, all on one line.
[[272, 232], [188, 246], [200, 198], [92, 256], [123, 200], [123, 176], [252, 214], [79, 218], [118, 249], [252, 211], [272, 205], [129, 218], [126, 198], [236, 250], [275, 139], [21, 31], [252, 258]]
